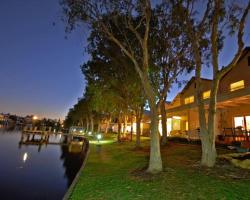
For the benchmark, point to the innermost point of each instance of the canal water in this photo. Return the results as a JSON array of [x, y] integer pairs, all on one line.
[[35, 171]]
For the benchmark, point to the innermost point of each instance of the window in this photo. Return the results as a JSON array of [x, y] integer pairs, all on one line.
[[206, 94], [248, 123], [238, 122], [188, 100], [176, 124], [242, 121], [169, 126], [186, 125], [237, 85]]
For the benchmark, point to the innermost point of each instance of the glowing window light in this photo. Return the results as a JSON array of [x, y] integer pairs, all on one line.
[[248, 123], [160, 127], [176, 117], [189, 100], [186, 126], [237, 85], [238, 122], [206, 94]]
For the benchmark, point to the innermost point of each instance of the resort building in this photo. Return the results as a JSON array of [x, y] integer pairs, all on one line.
[[233, 105]]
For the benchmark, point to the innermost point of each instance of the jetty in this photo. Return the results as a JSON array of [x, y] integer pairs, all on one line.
[[42, 137]]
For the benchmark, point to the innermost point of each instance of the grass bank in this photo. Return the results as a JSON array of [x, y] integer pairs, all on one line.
[[115, 171]]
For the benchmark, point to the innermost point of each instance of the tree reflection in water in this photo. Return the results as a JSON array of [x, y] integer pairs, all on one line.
[[72, 160], [37, 169]]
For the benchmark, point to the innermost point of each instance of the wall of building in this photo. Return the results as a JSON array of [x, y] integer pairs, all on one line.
[[193, 119], [190, 91], [240, 72], [175, 103]]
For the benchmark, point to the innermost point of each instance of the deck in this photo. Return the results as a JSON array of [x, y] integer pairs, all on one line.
[[42, 138]]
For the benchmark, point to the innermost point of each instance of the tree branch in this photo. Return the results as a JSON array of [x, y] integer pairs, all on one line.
[[236, 58]]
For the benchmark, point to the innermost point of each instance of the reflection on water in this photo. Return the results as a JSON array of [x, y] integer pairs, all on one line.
[[25, 156], [36, 170]]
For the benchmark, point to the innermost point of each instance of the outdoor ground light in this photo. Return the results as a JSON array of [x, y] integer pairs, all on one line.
[[89, 133], [99, 137]]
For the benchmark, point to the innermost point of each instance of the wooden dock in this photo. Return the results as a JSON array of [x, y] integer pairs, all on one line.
[[40, 138]]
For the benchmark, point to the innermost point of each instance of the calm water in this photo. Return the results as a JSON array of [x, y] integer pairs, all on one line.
[[33, 172]]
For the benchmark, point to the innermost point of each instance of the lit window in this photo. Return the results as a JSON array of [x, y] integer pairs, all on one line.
[[186, 125], [206, 94], [188, 100], [248, 122], [237, 85], [238, 122], [176, 124]]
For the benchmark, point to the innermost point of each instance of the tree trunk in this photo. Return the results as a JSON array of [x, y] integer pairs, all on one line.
[[208, 144], [207, 131], [107, 125], [209, 153], [81, 122], [87, 124], [119, 130], [125, 126], [155, 162], [91, 124], [138, 129], [163, 123], [131, 133], [99, 126], [131, 129]]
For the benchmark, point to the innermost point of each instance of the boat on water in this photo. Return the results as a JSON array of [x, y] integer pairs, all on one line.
[[76, 144]]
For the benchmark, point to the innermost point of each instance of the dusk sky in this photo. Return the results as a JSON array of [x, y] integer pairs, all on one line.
[[39, 68]]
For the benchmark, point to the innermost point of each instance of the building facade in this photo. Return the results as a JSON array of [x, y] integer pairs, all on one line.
[[233, 105]]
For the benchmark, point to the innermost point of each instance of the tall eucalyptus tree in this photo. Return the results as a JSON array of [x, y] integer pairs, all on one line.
[[207, 31]]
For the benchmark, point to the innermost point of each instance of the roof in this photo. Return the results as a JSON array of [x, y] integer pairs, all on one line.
[[191, 81], [244, 53]]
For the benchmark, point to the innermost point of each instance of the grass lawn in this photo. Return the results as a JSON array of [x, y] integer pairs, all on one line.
[[115, 171]]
